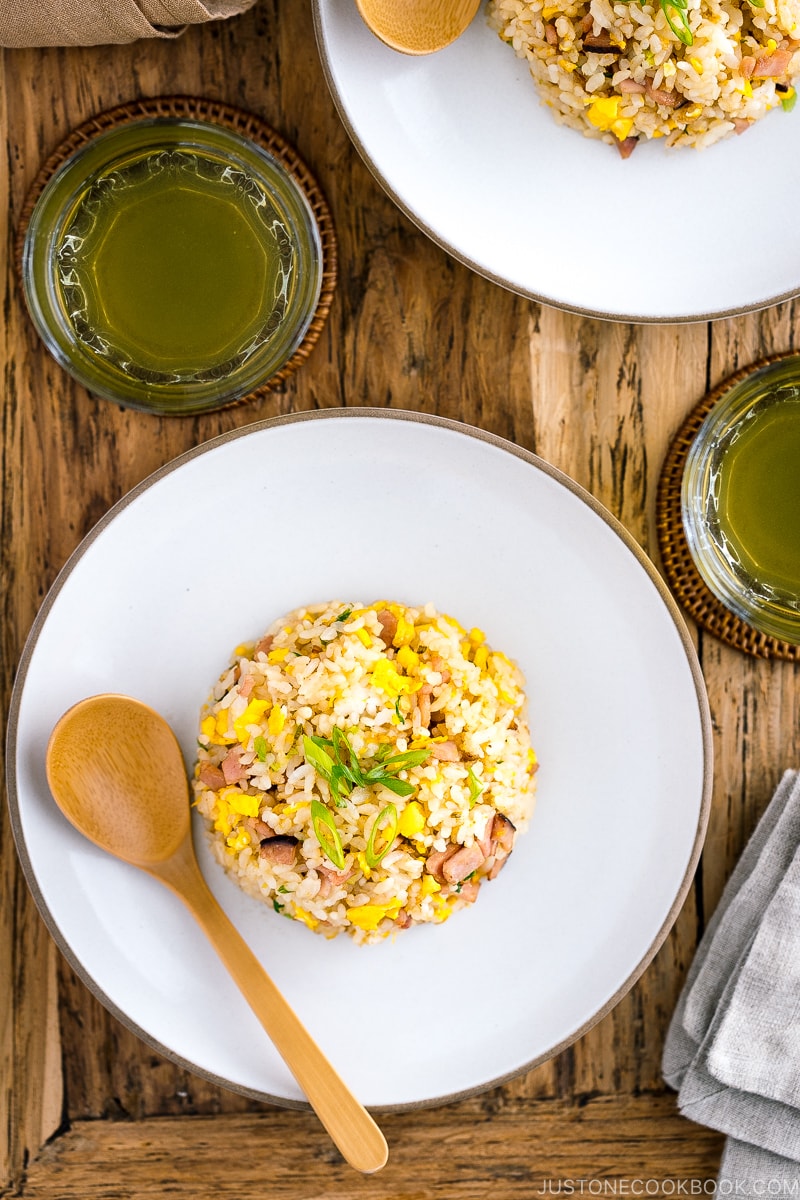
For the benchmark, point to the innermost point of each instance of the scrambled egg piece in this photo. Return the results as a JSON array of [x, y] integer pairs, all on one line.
[[603, 112]]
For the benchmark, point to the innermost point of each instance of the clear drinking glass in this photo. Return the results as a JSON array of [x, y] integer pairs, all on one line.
[[741, 499], [172, 265]]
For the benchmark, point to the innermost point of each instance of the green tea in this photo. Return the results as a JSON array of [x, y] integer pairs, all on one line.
[[175, 265], [758, 505]]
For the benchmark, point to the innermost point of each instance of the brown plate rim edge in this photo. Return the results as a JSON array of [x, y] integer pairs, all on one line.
[[533, 460]]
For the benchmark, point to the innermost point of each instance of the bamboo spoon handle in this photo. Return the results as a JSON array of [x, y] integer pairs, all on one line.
[[349, 1124]]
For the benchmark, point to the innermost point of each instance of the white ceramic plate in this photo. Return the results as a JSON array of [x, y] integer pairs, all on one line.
[[364, 505], [461, 142]]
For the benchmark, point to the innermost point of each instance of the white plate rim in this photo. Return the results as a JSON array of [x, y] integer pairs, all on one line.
[[464, 258], [500, 443]]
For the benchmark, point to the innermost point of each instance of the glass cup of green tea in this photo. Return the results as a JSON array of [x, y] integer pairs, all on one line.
[[172, 265], [741, 499]]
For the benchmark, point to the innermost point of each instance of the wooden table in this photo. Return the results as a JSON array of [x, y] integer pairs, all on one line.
[[88, 1111]]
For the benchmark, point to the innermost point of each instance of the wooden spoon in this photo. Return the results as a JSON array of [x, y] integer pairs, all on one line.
[[116, 771], [418, 26]]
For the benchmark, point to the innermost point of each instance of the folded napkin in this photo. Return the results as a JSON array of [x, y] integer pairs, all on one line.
[[733, 1047], [97, 22]]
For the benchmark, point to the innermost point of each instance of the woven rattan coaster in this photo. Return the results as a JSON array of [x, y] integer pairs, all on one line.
[[246, 125], [682, 575]]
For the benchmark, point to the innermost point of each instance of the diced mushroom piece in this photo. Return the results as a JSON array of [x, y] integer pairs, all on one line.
[[503, 832], [280, 849], [486, 841], [388, 623], [445, 751], [461, 864], [211, 777], [627, 146], [601, 43]]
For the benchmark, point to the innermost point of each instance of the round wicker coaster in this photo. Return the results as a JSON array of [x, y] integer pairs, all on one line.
[[682, 575], [247, 125]]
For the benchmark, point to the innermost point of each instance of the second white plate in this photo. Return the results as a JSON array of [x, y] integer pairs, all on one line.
[[461, 142]]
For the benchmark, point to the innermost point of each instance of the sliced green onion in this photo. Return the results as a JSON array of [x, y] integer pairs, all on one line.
[[344, 615], [337, 762], [260, 746], [339, 739], [788, 102], [347, 757], [682, 30], [340, 786], [411, 758], [278, 907], [327, 834], [400, 716], [384, 773], [319, 759], [383, 833], [398, 786], [475, 786], [325, 766]]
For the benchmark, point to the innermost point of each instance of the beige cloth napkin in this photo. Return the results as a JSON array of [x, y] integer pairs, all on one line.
[[97, 22]]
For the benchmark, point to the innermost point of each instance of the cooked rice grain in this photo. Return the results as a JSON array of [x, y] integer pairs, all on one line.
[[648, 83], [394, 679]]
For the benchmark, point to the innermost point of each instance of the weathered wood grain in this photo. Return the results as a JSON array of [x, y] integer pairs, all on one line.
[[30, 1062], [409, 328], [607, 1147]]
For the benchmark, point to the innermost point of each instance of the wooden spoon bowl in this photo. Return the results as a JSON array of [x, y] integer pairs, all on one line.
[[417, 26], [116, 771]]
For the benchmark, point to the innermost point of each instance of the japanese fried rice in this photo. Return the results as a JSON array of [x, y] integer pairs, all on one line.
[[364, 769], [688, 71]]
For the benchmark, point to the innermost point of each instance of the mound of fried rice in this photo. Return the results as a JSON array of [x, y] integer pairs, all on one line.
[[385, 680], [620, 72]]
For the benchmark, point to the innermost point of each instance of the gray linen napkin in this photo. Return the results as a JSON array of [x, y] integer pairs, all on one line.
[[733, 1047]]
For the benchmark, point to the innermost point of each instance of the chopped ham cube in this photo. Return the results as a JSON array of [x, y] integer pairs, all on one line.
[[771, 66]]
